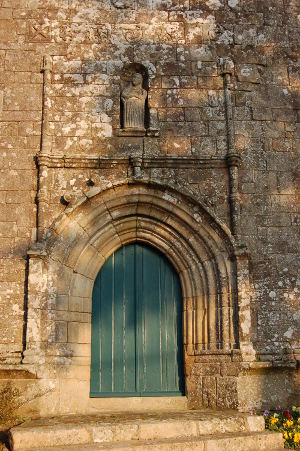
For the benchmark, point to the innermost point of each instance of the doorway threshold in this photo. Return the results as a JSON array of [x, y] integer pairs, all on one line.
[[137, 404]]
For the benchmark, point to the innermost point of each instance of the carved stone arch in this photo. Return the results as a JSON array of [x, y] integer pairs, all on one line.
[[212, 270]]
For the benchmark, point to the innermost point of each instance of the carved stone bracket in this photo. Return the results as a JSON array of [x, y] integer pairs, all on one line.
[[136, 164]]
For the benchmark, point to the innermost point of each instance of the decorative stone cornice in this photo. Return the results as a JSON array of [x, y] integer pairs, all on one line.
[[98, 162]]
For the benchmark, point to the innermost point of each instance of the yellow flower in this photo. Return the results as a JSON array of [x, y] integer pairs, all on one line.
[[298, 421], [285, 435], [273, 421], [288, 423], [297, 437]]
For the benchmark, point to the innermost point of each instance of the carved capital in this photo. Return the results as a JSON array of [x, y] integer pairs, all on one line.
[[43, 196], [47, 63], [225, 66], [234, 159], [37, 250]]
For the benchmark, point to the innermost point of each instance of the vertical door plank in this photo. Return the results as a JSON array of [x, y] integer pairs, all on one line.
[[96, 330], [164, 330], [179, 332], [151, 321], [161, 290], [129, 319], [106, 315], [118, 326], [170, 326], [139, 318]]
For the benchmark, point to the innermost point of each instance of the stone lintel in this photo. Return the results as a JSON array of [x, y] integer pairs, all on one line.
[[131, 132], [151, 132]]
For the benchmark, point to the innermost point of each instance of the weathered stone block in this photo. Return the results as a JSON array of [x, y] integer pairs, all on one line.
[[204, 146], [212, 369], [19, 60], [171, 115], [294, 76], [227, 392], [75, 304], [62, 302], [61, 335], [248, 73], [79, 332], [284, 115], [244, 36], [176, 145], [81, 286], [8, 29], [262, 114], [209, 391], [210, 82], [170, 82], [23, 98]]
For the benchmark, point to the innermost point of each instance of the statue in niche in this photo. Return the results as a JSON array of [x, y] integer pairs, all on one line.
[[134, 98]]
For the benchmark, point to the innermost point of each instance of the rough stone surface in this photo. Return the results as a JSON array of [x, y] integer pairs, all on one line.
[[219, 165]]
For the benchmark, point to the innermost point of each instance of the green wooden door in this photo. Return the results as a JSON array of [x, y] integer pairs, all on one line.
[[136, 326]]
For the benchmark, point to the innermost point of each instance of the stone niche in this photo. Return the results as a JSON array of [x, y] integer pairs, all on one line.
[[134, 105]]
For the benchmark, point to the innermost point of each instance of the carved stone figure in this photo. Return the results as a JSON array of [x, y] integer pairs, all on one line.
[[134, 98]]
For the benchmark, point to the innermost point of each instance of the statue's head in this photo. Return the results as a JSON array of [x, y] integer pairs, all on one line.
[[137, 79]]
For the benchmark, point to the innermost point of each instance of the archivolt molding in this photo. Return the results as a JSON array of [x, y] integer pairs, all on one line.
[[200, 248]]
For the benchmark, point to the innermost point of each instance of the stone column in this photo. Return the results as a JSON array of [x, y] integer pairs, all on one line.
[[42, 195], [233, 158], [35, 278], [37, 292]]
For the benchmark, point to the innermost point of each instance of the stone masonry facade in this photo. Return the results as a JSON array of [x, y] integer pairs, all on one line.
[[214, 183]]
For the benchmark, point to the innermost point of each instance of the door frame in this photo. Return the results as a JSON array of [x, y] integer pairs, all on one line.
[[180, 355]]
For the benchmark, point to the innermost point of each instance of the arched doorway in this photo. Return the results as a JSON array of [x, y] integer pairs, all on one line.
[[137, 338], [213, 273]]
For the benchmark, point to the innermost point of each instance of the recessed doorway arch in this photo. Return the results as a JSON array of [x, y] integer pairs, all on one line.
[[212, 268]]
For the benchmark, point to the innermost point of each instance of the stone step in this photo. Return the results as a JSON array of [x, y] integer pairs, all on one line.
[[251, 441], [83, 430], [138, 404]]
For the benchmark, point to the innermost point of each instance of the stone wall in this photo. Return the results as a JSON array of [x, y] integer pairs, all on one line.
[[223, 85]]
